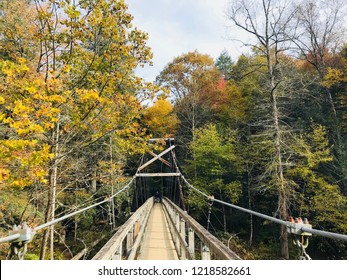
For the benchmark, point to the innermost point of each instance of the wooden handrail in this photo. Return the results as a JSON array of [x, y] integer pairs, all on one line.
[[220, 250], [114, 245]]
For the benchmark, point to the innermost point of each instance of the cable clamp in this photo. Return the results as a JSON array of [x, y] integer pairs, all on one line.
[[26, 233], [296, 225], [19, 246]]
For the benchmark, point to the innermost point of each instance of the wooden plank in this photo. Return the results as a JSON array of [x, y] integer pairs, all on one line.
[[158, 174], [156, 157], [157, 241]]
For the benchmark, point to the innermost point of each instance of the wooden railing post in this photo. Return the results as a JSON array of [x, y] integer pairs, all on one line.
[[183, 236], [130, 239], [210, 243], [205, 252], [191, 241], [177, 225], [118, 254]]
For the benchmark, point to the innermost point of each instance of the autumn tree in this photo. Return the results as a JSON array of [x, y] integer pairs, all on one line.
[[17, 32], [317, 198], [193, 80], [161, 119], [73, 95]]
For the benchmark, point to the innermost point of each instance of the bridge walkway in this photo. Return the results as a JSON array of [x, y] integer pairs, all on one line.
[[157, 242]]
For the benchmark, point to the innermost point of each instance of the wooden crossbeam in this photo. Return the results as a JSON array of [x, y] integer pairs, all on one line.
[[156, 157], [154, 140], [158, 174], [161, 159]]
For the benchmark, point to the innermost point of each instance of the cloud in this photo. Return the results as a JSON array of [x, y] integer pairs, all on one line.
[[179, 26]]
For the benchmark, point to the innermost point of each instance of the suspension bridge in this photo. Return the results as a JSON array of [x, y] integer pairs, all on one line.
[[160, 229]]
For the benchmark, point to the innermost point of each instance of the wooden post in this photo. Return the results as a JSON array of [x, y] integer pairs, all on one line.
[[172, 212], [191, 242], [170, 216], [205, 252], [183, 235], [136, 229], [118, 254], [130, 240], [177, 225]]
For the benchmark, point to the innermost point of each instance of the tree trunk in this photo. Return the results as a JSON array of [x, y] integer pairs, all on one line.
[[282, 192], [49, 214], [224, 214], [50, 210], [250, 208], [93, 185], [45, 232], [54, 190]]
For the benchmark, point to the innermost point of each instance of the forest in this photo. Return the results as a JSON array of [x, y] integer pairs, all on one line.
[[266, 131]]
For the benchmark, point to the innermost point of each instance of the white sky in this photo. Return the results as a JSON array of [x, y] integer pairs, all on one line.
[[176, 27]]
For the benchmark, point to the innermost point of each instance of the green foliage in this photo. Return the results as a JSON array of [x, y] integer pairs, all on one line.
[[213, 166], [31, 257], [225, 65], [321, 201], [16, 207], [212, 154]]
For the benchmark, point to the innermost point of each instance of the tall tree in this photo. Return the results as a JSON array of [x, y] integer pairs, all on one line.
[[268, 22], [192, 79], [224, 64]]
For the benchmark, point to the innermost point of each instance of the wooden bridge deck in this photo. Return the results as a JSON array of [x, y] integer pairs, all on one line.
[[157, 242]]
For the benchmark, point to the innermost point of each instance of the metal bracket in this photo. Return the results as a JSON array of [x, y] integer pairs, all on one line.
[[26, 233], [19, 246], [296, 228]]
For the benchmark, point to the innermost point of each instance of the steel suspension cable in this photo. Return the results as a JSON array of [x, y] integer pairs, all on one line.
[[13, 237], [83, 209], [288, 224]]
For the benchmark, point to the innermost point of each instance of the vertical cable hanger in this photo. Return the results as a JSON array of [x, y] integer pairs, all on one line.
[[210, 203]]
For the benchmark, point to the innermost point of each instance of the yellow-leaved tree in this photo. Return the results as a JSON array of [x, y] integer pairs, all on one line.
[[70, 101], [160, 119]]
